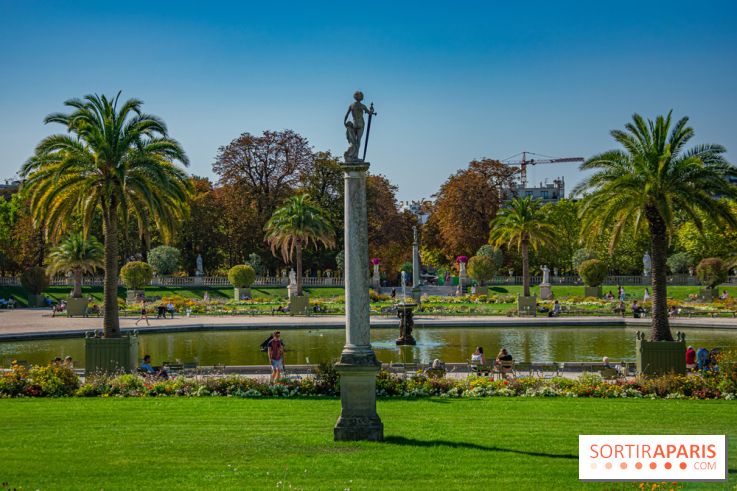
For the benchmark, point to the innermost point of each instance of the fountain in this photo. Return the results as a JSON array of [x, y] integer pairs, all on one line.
[[404, 312]]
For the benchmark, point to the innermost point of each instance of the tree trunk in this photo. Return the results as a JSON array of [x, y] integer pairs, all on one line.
[[110, 321], [299, 267], [660, 328], [525, 269], [77, 291]]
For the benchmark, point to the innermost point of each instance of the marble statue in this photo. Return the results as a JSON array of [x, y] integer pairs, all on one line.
[[647, 264], [354, 128], [546, 274], [292, 277], [200, 269]]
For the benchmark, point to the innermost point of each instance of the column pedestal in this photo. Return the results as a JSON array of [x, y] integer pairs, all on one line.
[[358, 365]]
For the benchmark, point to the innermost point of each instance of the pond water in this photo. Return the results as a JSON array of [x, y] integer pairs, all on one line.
[[314, 346]]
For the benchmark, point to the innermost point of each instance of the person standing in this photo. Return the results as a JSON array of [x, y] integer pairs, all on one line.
[[170, 309], [143, 316], [276, 356], [646, 296]]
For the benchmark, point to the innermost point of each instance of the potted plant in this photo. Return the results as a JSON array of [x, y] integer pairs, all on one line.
[[241, 277], [711, 272], [136, 275], [76, 254], [481, 269], [593, 273], [35, 280]]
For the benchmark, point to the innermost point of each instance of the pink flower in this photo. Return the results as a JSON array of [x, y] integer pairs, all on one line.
[[375, 261], [462, 259]]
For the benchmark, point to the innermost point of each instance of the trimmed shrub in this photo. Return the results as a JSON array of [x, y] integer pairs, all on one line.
[[712, 271], [593, 272], [496, 255], [678, 263], [481, 268], [35, 280], [241, 276], [136, 275], [582, 255], [164, 260]]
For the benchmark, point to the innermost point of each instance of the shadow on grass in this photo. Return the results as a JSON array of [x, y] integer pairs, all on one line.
[[400, 440]]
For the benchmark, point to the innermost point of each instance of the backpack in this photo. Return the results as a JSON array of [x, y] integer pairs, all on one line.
[[265, 345]]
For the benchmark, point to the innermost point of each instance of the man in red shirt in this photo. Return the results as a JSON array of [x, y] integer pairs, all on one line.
[[276, 356]]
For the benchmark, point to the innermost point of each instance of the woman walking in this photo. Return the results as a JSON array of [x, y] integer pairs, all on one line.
[[143, 316]]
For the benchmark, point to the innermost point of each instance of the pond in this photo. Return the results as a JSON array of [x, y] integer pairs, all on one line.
[[314, 346]]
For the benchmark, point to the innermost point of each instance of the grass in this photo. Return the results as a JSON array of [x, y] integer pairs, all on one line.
[[228, 443]]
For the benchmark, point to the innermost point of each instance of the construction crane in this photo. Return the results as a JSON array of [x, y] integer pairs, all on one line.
[[534, 161]]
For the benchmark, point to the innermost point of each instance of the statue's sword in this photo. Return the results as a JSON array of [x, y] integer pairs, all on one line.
[[368, 130]]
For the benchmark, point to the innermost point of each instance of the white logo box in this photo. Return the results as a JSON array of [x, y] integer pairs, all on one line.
[[671, 458]]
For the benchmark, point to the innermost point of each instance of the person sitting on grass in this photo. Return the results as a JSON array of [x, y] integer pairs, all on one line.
[[153, 371]]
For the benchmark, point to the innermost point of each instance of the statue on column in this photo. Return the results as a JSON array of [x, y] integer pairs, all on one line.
[[546, 275], [354, 128], [200, 269]]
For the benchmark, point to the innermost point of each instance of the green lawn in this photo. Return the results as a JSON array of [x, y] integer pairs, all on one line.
[[229, 443]]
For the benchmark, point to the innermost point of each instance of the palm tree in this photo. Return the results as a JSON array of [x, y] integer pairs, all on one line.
[[76, 254], [643, 186], [295, 225], [522, 226], [112, 159]]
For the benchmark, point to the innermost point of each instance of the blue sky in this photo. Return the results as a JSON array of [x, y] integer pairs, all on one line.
[[451, 81]]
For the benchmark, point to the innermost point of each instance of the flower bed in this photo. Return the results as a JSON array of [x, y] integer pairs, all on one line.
[[54, 381]]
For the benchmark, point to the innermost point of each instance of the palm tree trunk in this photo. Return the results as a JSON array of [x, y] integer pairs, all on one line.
[[77, 291], [299, 268], [660, 328], [110, 321], [525, 269]]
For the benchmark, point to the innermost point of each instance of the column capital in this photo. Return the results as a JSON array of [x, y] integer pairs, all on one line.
[[355, 166]]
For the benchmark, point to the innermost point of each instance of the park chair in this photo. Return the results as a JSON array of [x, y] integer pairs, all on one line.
[[609, 373], [173, 368], [505, 368], [524, 369], [546, 370], [411, 369], [480, 369]]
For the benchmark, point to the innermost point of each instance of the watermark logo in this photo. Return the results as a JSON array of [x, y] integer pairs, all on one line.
[[652, 457]]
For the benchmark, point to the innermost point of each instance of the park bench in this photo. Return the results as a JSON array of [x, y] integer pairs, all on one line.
[[688, 312], [524, 369]]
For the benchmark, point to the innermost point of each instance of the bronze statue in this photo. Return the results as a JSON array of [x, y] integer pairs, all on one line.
[[354, 128]]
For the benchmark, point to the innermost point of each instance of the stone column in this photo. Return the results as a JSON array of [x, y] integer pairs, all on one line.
[[358, 365], [415, 260]]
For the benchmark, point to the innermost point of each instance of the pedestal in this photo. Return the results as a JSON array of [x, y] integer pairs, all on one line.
[[134, 296], [241, 293], [198, 281], [592, 291], [358, 419], [291, 291], [546, 291], [708, 294], [358, 365]]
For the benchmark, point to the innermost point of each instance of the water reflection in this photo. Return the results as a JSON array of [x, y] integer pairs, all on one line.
[[448, 344]]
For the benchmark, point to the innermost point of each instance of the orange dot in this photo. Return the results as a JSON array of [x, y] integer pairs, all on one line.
[[638, 465], [608, 465], [593, 465], [623, 465], [683, 465], [668, 465], [653, 465]]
